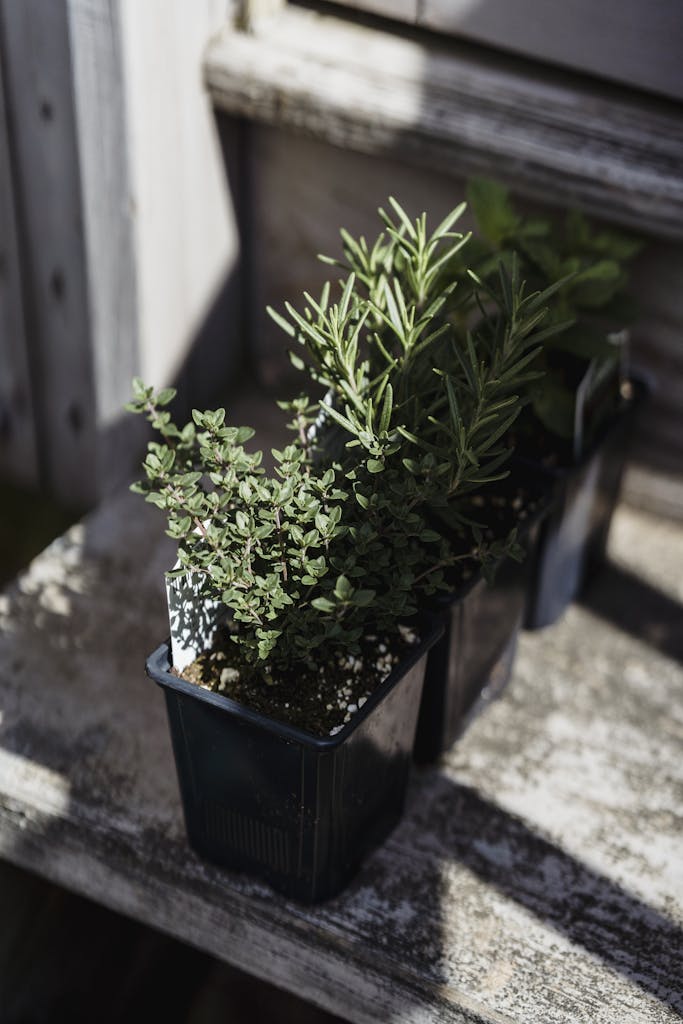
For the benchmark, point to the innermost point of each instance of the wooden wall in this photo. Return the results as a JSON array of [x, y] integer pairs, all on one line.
[[43, 136], [18, 453], [128, 235]]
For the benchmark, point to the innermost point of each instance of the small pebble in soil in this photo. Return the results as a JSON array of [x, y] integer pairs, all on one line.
[[408, 635], [318, 698]]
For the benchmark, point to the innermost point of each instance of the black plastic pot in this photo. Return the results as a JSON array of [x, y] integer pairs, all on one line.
[[573, 540], [294, 810], [472, 662]]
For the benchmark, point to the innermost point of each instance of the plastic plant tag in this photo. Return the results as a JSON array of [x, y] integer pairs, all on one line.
[[192, 617], [562, 567], [622, 342], [600, 377]]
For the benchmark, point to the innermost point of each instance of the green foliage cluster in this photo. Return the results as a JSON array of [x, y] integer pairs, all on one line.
[[299, 563], [592, 264], [416, 391], [406, 375]]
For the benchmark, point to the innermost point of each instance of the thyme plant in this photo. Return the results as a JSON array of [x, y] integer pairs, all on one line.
[[299, 565]]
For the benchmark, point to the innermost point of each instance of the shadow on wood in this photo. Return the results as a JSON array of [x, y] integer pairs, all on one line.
[[585, 906], [637, 608]]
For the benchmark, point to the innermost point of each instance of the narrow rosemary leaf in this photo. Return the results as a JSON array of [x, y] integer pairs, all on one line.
[[403, 217], [281, 322], [450, 219], [385, 416]]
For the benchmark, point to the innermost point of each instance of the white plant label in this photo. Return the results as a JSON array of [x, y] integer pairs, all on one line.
[[193, 619]]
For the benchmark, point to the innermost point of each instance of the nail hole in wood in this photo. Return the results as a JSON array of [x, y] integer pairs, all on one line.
[[74, 417], [57, 284], [5, 424], [46, 110]]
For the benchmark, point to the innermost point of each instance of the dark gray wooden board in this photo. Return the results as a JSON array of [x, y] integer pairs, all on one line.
[[537, 873], [441, 106], [630, 42]]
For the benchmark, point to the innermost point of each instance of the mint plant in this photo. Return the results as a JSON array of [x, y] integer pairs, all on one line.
[[592, 263]]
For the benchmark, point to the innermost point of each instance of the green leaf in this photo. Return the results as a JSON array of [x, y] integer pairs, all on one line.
[[587, 342], [495, 216], [343, 589], [449, 220], [597, 285], [403, 217], [346, 296], [323, 604], [375, 466], [341, 420], [281, 322], [165, 396], [387, 407], [244, 434], [555, 407]]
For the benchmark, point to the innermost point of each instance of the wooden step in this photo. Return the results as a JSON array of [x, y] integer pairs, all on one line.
[[557, 136], [536, 876]]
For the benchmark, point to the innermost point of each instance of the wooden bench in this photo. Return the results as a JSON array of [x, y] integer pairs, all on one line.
[[537, 875]]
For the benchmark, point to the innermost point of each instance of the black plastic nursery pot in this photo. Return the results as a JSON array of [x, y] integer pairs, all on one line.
[[294, 810], [573, 539], [472, 662]]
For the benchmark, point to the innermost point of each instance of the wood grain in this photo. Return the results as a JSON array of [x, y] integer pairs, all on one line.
[[127, 221], [551, 136], [627, 41], [18, 454], [39, 96]]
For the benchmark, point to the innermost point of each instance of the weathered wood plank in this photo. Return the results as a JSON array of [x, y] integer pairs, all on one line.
[[18, 455], [128, 219], [107, 217], [401, 10], [550, 136], [537, 873], [185, 194], [625, 41], [39, 100]]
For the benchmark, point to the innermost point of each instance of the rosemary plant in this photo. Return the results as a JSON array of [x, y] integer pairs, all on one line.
[[417, 375]]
